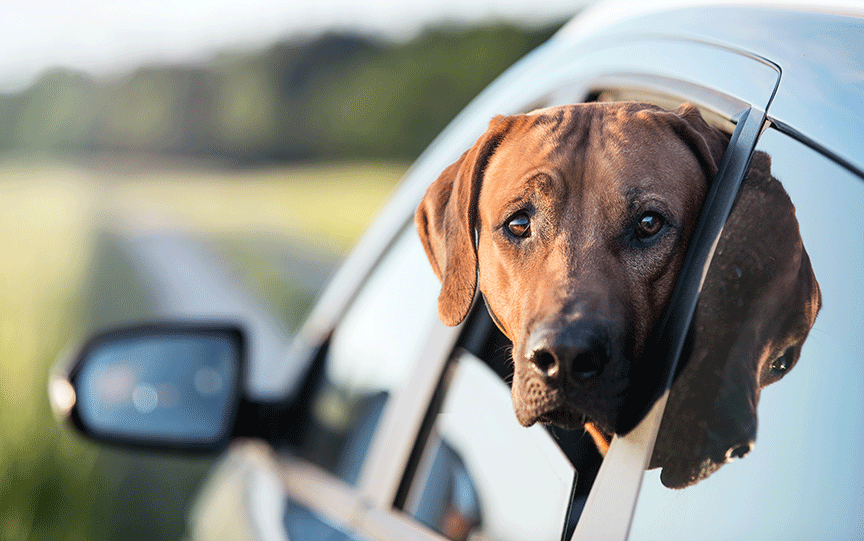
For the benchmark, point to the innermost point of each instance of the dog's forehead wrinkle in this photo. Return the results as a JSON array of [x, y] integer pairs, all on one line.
[[549, 119], [528, 169]]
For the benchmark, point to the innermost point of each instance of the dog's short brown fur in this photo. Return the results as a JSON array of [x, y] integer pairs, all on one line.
[[573, 222]]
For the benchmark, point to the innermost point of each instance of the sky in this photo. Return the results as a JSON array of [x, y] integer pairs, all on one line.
[[110, 37]]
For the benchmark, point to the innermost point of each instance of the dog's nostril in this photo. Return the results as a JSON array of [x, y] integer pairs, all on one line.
[[546, 362], [738, 451]]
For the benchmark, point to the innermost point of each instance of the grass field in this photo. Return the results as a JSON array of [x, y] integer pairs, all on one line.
[[330, 203], [52, 485]]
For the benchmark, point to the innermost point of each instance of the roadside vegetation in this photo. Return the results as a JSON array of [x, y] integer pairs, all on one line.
[[62, 277], [49, 488], [324, 98]]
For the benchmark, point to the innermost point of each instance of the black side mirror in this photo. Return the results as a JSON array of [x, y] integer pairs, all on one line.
[[172, 386]]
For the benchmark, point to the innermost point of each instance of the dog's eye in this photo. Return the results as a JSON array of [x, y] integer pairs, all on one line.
[[783, 363], [650, 223], [519, 225]]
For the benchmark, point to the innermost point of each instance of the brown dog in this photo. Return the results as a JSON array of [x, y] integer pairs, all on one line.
[[759, 300], [573, 222]]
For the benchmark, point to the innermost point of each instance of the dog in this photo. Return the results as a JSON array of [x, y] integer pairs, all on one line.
[[579, 302], [758, 303], [573, 222]]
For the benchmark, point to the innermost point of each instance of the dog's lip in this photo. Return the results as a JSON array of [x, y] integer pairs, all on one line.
[[564, 420], [562, 408], [686, 464], [681, 476], [549, 412], [563, 416]]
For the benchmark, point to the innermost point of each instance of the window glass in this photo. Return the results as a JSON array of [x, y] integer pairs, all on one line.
[[804, 477], [369, 357], [304, 524], [482, 476]]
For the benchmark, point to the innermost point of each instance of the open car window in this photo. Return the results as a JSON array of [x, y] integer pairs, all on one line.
[[731, 460]]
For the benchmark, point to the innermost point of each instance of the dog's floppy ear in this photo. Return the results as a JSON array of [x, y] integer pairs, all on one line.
[[446, 219], [707, 142]]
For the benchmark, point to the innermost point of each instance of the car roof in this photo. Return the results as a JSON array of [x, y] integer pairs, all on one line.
[[606, 14]]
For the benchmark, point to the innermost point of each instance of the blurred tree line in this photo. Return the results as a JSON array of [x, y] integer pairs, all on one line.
[[331, 96]]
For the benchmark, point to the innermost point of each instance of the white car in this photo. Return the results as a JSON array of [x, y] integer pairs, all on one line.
[[393, 426]]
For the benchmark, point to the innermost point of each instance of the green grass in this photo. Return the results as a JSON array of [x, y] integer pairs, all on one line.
[[331, 203], [60, 279], [49, 489]]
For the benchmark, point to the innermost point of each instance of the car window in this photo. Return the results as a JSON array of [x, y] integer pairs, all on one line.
[[369, 356], [482, 475], [789, 468]]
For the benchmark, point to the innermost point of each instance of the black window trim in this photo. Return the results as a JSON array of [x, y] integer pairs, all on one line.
[[715, 211]]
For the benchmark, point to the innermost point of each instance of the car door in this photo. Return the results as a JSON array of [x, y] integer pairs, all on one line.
[[566, 72]]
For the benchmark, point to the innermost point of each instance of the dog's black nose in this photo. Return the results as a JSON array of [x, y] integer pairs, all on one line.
[[577, 352]]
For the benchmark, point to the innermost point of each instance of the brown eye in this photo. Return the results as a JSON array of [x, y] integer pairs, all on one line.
[[519, 225], [649, 225]]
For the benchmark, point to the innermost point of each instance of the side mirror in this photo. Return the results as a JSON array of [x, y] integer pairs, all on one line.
[[165, 386]]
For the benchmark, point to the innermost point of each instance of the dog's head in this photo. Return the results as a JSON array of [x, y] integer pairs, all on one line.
[[759, 300], [573, 222]]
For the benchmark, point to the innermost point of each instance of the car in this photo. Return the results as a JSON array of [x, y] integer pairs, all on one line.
[[393, 426]]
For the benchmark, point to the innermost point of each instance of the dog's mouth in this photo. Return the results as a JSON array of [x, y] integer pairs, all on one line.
[[549, 406], [683, 475], [567, 414], [568, 406], [689, 452], [564, 418]]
